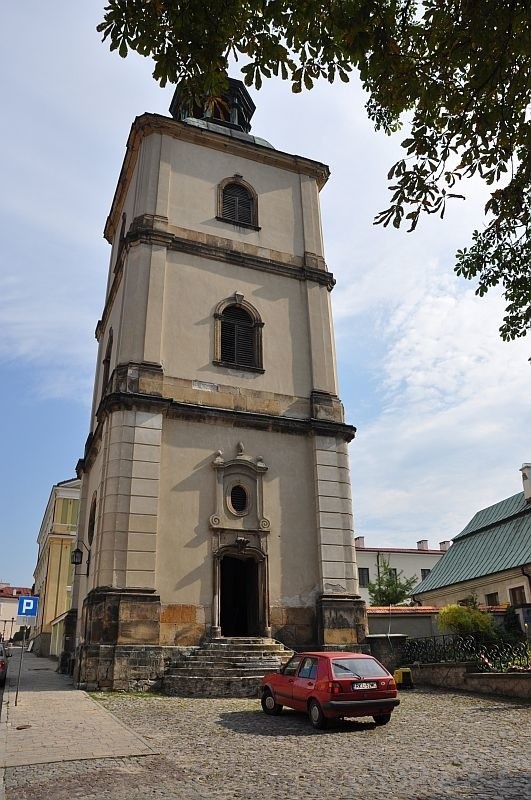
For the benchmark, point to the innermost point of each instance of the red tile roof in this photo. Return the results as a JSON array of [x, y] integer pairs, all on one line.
[[416, 550], [14, 591], [412, 610]]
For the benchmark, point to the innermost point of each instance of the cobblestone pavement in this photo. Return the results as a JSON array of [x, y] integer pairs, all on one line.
[[438, 746]]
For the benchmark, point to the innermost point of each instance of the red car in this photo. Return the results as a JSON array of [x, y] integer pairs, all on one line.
[[331, 685]]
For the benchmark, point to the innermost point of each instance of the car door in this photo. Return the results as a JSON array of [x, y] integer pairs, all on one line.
[[283, 683], [304, 683]]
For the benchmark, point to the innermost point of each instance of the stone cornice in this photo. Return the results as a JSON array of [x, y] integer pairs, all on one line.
[[173, 409], [149, 235], [147, 124], [143, 232]]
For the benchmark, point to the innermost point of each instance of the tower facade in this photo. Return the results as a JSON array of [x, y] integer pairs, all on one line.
[[215, 482]]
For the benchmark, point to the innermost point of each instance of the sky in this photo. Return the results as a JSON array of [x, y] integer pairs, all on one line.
[[440, 403]]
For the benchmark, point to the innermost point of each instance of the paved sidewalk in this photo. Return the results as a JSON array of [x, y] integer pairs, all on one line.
[[53, 721]]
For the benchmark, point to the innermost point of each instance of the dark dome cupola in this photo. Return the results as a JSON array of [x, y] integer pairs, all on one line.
[[234, 111]]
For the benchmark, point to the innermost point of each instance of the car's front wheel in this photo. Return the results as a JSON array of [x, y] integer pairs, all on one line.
[[317, 718], [382, 719], [269, 704]]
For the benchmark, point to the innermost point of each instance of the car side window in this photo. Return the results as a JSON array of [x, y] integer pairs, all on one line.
[[308, 669], [292, 665]]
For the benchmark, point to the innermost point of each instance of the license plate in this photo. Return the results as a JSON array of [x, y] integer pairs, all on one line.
[[365, 685]]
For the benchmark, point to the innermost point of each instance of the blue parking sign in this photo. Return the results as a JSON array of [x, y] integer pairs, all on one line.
[[27, 606]]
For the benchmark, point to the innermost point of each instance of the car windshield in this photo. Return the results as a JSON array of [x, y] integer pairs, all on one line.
[[357, 667]]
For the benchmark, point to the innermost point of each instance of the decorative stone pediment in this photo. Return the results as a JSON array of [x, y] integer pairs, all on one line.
[[239, 493]]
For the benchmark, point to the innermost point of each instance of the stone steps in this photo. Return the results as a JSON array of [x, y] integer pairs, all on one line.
[[222, 669], [241, 648], [236, 661], [228, 667], [213, 686]]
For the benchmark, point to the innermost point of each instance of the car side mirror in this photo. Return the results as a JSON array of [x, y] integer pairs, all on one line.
[[282, 668]]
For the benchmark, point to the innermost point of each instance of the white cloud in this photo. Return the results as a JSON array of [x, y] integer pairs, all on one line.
[[444, 402], [49, 330], [450, 430]]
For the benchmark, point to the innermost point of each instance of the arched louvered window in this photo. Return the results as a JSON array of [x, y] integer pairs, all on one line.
[[237, 203], [238, 335]]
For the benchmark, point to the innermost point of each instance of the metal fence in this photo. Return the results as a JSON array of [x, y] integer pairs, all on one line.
[[488, 656]]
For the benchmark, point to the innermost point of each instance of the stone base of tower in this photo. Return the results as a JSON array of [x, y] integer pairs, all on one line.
[[121, 616], [341, 621], [121, 647], [126, 668], [125, 645]]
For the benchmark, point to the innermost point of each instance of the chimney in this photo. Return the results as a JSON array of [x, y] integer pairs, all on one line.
[[359, 541], [422, 545], [525, 469], [444, 545]]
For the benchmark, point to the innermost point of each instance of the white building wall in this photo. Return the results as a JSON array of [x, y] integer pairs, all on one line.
[[410, 562], [8, 616]]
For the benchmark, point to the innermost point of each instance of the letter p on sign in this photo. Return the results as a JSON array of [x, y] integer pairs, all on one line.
[[27, 606]]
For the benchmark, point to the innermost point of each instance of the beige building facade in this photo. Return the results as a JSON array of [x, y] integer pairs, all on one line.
[[216, 496], [510, 588], [54, 571], [407, 562]]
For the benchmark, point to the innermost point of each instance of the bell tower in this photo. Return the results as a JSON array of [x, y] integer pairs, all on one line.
[[215, 481]]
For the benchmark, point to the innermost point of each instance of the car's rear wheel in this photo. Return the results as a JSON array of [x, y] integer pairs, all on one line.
[[382, 719], [270, 705], [317, 718]]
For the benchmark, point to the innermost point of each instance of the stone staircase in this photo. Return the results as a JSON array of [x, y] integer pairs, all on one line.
[[226, 667]]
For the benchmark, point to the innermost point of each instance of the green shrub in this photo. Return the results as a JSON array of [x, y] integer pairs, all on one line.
[[466, 620]]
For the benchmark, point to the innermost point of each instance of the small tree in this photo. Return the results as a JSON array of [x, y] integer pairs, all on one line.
[[465, 620], [389, 588]]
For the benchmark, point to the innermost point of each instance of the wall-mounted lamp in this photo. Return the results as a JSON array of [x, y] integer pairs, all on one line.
[[76, 557]]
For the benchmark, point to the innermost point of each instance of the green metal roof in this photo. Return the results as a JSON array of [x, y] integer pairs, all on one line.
[[497, 538], [496, 513]]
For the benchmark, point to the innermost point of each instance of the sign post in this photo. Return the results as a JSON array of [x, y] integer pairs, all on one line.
[[27, 615]]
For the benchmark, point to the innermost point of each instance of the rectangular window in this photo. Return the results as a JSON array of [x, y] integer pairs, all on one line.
[[363, 575], [492, 599], [517, 596], [308, 669], [424, 573], [292, 665], [64, 511]]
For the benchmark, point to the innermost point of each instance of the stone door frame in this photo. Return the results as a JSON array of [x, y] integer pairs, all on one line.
[[257, 555]]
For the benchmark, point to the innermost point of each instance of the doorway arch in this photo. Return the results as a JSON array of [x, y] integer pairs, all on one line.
[[241, 602]]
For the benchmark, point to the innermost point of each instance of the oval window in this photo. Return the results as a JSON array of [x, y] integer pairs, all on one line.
[[238, 499]]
